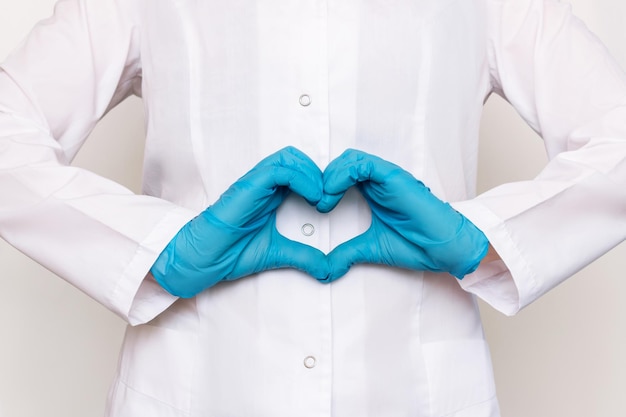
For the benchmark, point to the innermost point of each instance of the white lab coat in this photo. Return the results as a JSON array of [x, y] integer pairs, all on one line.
[[225, 84]]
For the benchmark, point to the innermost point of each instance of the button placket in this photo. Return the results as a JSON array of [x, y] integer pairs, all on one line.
[[312, 228]]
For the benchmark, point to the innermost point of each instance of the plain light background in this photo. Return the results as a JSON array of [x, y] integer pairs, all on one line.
[[565, 355]]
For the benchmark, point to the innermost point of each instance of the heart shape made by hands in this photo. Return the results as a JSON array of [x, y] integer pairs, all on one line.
[[237, 236]]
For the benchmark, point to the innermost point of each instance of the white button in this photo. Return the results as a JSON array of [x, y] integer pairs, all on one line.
[[308, 229], [309, 362], [305, 100]]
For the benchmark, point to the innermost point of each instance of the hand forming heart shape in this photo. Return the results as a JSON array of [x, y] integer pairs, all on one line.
[[237, 236], [411, 228]]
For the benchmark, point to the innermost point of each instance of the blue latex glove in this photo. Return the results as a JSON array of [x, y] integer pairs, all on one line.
[[237, 235], [411, 228]]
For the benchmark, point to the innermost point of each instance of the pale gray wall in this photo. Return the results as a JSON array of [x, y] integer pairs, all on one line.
[[562, 356]]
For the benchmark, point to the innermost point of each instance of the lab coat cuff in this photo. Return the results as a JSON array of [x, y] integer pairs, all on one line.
[[508, 284], [138, 298]]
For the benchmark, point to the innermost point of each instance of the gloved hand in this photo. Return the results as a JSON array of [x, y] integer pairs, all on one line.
[[411, 228], [237, 235]]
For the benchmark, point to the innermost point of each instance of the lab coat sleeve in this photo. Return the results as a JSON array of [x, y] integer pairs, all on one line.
[[564, 83], [92, 232]]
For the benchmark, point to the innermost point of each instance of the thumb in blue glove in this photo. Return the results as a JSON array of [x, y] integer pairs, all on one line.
[[237, 235], [411, 228]]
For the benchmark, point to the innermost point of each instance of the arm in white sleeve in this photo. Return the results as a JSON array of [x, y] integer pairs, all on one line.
[[565, 84], [92, 232]]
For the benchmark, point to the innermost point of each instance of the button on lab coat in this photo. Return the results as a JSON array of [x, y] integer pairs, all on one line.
[[226, 83]]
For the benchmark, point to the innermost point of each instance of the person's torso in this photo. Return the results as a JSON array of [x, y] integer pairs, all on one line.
[[226, 84]]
